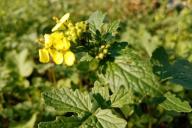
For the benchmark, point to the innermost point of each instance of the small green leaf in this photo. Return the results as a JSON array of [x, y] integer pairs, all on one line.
[[175, 104], [112, 27], [108, 120], [68, 100], [102, 90], [62, 122], [25, 65], [121, 97], [27, 124], [21, 62], [96, 21]]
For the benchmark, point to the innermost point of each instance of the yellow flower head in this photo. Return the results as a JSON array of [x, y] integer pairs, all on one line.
[[56, 40], [58, 43], [61, 22], [69, 58]]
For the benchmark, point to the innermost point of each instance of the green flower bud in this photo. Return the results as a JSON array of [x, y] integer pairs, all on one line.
[[100, 55], [102, 46], [105, 51]]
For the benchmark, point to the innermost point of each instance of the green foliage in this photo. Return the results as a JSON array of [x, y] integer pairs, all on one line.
[[123, 79], [180, 72], [87, 106], [96, 21], [144, 82], [130, 70], [174, 103], [122, 97]]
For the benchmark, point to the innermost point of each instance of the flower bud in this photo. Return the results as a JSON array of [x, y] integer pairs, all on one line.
[[105, 51], [100, 55]]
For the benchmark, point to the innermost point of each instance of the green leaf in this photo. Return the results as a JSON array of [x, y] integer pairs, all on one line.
[[112, 27], [101, 95], [62, 122], [102, 90], [25, 65], [108, 120], [121, 97], [96, 21], [180, 72], [76, 101], [175, 104], [27, 124], [67, 100], [130, 70], [100, 119], [21, 62]]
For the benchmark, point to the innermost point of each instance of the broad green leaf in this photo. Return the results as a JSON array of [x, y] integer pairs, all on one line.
[[131, 71], [76, 101], [68, 100], [100, 119], [62, 122], [175, 104], [180, 72], [108, 120], [121, 97], [96, 21]]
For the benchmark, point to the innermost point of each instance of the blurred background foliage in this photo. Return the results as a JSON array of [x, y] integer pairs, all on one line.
[[144, 24]]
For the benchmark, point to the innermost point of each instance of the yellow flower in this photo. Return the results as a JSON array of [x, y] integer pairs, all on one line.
[[43, 55], [69, 58], [57, 40], [60, 22], [55, 45]]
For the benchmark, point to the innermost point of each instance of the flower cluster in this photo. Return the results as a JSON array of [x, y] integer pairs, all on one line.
[[56, 46], [103, 50]]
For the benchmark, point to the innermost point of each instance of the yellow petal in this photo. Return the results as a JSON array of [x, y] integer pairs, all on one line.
[[57, 38], [69, 58], [61, 21], [66, 43], [65, 17], [56, 56], [48, 40], [43, 56], [58, 44], [56, 35]]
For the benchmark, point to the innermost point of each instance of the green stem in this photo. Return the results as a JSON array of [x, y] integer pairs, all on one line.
[[52, 76]]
